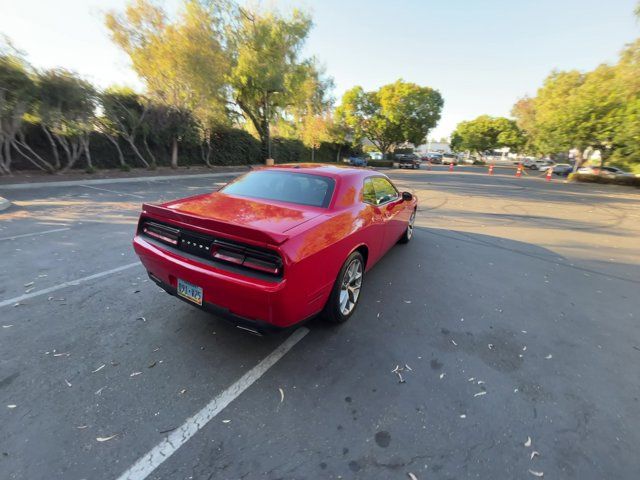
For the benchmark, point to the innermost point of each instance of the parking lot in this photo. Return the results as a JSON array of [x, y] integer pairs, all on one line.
[[512, 317]]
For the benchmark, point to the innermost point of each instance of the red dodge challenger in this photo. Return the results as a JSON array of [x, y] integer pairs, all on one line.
[[277, 245]]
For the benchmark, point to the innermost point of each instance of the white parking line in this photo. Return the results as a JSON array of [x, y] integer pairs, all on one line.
[[72, 283], [167, 447], [112, 191], [34, 234]]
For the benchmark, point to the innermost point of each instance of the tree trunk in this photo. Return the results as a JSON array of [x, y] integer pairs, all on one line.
[[174, 153], [54, 147], [5, 168], [205, 153], [73, 149], [264, 148], [154, 163], [132, 144], [115, 143], [87, 153], [339, 151], [30, 155], [313, 154]]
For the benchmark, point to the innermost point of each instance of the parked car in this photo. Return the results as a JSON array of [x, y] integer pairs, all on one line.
[[358, 161], [607, 171], [537, 164], [543, 165], [562, 169], [408, 161], [277, 245], [449, 158], [433, 157]]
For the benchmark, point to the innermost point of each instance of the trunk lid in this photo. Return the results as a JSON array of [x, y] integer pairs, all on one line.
[[262, 221]]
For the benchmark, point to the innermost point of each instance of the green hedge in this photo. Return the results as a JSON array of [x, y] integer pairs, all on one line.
[[229, 146], [617, 180]]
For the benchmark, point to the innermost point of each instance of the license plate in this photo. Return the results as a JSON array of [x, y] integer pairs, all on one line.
[[189, 291]]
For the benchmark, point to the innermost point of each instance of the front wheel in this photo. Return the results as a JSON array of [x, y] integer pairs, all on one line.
[[408, 233], [346, 290]]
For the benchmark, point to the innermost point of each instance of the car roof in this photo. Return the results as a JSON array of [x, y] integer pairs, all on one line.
[[326, 170]]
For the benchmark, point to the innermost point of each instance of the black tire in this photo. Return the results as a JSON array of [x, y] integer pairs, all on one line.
[[332, 311], [408, 233]]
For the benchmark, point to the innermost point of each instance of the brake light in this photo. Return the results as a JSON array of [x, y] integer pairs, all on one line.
[[248, 257], [162, 233], [261, 265], [228, 256]]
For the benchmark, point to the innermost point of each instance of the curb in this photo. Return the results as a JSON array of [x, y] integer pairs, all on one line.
[[104, 181], [4, 204]]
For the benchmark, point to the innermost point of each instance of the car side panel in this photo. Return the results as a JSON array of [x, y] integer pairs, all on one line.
[[317, 253]]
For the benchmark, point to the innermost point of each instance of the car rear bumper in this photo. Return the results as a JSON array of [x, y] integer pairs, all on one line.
[[251, 303], [253, 326]]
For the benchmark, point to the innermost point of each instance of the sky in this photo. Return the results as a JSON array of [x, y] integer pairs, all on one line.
[[482, 55]]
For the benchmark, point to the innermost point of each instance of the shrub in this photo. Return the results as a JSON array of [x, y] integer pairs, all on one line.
[[617, 180]]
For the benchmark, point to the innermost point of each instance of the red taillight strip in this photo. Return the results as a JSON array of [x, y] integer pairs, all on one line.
[[228, 258], [248, 262], [159, 236]]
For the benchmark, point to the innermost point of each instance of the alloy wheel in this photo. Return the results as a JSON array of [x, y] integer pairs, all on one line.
[[410, 226], [350, 286]]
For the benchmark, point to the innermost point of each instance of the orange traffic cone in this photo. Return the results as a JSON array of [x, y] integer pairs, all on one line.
[[451, 167], [491, 169], [549, 173], [519, 170]]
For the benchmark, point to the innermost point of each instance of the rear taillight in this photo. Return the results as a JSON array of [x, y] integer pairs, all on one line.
[[255, 259], [161, 232], [262, 265]]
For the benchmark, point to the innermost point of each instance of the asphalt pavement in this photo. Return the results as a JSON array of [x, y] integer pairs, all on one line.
[[511, 317]]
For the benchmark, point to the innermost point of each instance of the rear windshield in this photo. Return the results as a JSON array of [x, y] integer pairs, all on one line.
[[300, 188]]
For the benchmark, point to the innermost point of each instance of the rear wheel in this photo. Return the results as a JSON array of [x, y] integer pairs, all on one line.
[[346, 290], [408, 233]]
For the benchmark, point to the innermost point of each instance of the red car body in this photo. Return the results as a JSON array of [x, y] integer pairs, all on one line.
[[290, 254]]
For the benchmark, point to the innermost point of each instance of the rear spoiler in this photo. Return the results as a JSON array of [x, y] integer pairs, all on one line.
[[212, 225]]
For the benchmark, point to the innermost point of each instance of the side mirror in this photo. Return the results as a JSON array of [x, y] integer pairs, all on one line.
[[407, 197]]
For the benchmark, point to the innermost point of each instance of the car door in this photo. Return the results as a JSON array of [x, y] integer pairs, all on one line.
[[375, 221], [391, 206]]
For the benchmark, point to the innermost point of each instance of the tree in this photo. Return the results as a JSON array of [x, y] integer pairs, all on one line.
[[124, 115], [574, 110], [66, 110], [17, 94], [268, 77], [315, 130], [524, 113], [396, 113], [183, 63], [486, 133]]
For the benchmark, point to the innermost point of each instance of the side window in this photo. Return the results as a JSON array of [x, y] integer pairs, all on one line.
[[385, 191], [368, 193]]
